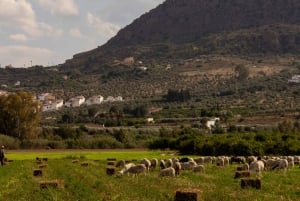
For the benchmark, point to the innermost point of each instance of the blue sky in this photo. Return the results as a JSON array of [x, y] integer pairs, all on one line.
[[47, 32]]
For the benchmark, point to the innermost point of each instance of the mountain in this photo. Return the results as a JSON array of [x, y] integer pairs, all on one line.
[[240, 27], [182, 21], [220, 50]]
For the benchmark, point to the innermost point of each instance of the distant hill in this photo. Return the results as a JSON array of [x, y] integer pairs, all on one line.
[[217, 49], [184, 21], [212, 26]]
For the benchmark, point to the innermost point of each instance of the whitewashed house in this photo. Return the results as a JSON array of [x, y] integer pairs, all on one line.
[[56, 105], [295, 79], [119, 98], [46, 97], [75, 102], [94, 100], [110, 99]]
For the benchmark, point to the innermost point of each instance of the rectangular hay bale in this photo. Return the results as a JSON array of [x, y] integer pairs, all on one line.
[[110, 171], [251, 182], [188, 195], [37, 172], [50, 184]]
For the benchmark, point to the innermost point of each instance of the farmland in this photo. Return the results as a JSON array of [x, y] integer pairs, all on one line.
[[90, 183]]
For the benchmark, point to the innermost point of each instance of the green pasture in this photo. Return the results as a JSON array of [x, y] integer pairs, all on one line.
[[91, 183]]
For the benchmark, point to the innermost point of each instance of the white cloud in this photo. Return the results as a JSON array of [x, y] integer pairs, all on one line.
[[19, 16], [62, 7], [21, 56], [105, 29], [18, 37], [75, 32]]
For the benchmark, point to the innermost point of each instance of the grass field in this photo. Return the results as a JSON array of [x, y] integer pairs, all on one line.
[[90, 183]]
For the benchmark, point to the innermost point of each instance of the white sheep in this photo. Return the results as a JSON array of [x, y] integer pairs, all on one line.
[[154, 163], [146, 162], [188, 165], [256, 167], [177, 167], [199, 168], [125, 168], [136, 169], [167, 172], [168, 163]]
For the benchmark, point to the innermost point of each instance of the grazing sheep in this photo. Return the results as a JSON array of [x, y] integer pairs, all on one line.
[[162, 164], [199, 168], [136, 169], [154, 163], [238, 159], [167, 172], [209, 159], [125, 168], [188, 165], [120, 163], [220, 161], [251, 159], [290, 160], [256, 167], [199, 160], [177, 167], [168, 163], [146, 162]]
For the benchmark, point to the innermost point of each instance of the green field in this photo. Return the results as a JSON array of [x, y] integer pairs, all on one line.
[[90, 183]]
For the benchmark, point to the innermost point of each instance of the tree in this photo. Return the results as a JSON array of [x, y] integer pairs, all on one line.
[[20, 115]]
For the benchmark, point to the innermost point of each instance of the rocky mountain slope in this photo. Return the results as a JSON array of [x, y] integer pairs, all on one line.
[[219, 50]]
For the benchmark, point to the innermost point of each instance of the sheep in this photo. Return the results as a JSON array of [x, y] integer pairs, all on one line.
[[154, 163], [238, 159], [199, 168], [168, 163], [136, 169], [177, 167], [146, 162], [188, 165], [125, 168], [162, 164], [220, 161], [199, 160], [167, 172], [256, 167], [120, 163], [251, 159]]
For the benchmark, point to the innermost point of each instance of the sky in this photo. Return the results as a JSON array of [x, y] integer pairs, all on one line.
[[48, 32]]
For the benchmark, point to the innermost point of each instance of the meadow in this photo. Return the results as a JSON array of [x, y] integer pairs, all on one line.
[[91, 183]]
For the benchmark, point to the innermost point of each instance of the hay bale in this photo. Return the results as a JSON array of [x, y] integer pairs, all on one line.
[[188, 195], [241, 174], [51, 184], [37, 172], [110, 171], [111, 163], [85, 164], [251, 182]]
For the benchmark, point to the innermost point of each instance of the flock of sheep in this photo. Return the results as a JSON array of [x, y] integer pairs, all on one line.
[[172, 167]]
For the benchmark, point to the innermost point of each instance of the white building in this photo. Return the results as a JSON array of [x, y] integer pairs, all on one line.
[[295, 79], [56, 105], [94, 100], [75, 102]]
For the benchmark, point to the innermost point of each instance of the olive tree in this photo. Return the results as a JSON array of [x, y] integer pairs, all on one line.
[[20, 115]]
